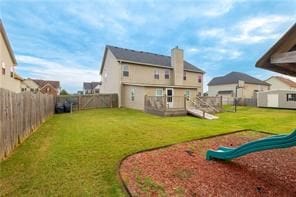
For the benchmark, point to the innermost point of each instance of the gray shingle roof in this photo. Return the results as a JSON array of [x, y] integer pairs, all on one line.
[[234, 77], [147, 58], [90, 85]]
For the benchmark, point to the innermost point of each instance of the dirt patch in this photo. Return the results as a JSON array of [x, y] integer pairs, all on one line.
[[181, 170]]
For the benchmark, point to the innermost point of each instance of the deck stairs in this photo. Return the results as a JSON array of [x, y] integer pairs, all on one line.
[[199, 108]]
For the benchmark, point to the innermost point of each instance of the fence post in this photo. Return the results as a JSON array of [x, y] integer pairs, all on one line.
[[164, 102], [79, 102], [145, 102]]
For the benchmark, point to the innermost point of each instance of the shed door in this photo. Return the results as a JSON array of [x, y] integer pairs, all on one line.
[[272, 100]]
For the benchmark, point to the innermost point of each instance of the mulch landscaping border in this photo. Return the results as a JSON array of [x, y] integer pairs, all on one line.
[[123, 184]]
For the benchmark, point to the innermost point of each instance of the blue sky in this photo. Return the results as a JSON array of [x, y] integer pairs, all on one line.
[[64, 40]]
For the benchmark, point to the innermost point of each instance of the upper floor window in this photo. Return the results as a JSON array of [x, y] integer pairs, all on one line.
[[3, 68], [125, 71], [291, 97], [199, 79], [156, 74], [184, 76], [166, 74]]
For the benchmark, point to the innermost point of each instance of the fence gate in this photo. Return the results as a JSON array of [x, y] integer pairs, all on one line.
[[90, 101]]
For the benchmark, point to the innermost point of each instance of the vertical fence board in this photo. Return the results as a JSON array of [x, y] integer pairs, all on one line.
[[91, 101], [20, 114]]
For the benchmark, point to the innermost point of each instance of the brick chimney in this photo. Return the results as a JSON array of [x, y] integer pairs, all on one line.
[[177, 62]]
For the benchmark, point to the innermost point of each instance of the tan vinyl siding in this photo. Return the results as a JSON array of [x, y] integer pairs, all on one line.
[[277, 84], [111, 76], [6, 81], [141, 91], [140, 74]]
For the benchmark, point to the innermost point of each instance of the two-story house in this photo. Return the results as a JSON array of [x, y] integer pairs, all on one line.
[[91, 87], [227, 86], [43, 86], [7, 64], [133, 74]]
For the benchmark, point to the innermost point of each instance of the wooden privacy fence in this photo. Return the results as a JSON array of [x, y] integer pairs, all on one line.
[[20, 115], [90, 101]]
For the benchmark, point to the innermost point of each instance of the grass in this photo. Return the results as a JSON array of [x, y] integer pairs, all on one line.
[[78, 154]]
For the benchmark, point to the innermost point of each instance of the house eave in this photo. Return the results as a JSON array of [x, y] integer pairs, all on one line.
[[10, 51], [265, 61], [160, 85]]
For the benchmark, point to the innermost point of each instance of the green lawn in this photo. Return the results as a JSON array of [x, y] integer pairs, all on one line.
[[78, 154]]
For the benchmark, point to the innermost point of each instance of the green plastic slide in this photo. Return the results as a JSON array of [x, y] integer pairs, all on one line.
[[272, 142]]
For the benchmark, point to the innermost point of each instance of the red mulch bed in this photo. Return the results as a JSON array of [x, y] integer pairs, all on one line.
[[181, 170]]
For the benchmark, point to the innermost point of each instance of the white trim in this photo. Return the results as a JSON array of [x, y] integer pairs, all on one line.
[[170, 104], [160, 85]]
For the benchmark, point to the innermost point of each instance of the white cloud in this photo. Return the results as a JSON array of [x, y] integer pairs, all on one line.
[[218, 8], [70, 75], [213, 32], [250, 31], [216, 53]]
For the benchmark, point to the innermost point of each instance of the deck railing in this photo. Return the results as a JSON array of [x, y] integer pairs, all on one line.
[[162, 104]]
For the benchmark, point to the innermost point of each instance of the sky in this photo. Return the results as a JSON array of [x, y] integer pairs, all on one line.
[[65, 40]]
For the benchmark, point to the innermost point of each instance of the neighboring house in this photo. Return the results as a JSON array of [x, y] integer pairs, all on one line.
[[79, 92], [281, 57], [48, 87], [226, 86], [43, 86], [29, 85], [91, 87], [133, 74], [7, 64], [281, 83]]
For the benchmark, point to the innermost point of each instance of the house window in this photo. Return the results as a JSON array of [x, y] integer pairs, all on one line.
[[3, 70], [291, 97], [187, 94], [184, 76], [23, 89], [166, 74], [199, 79], [11, 72], [159, 92], [156, 74], [125, 72], [132, 95]]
